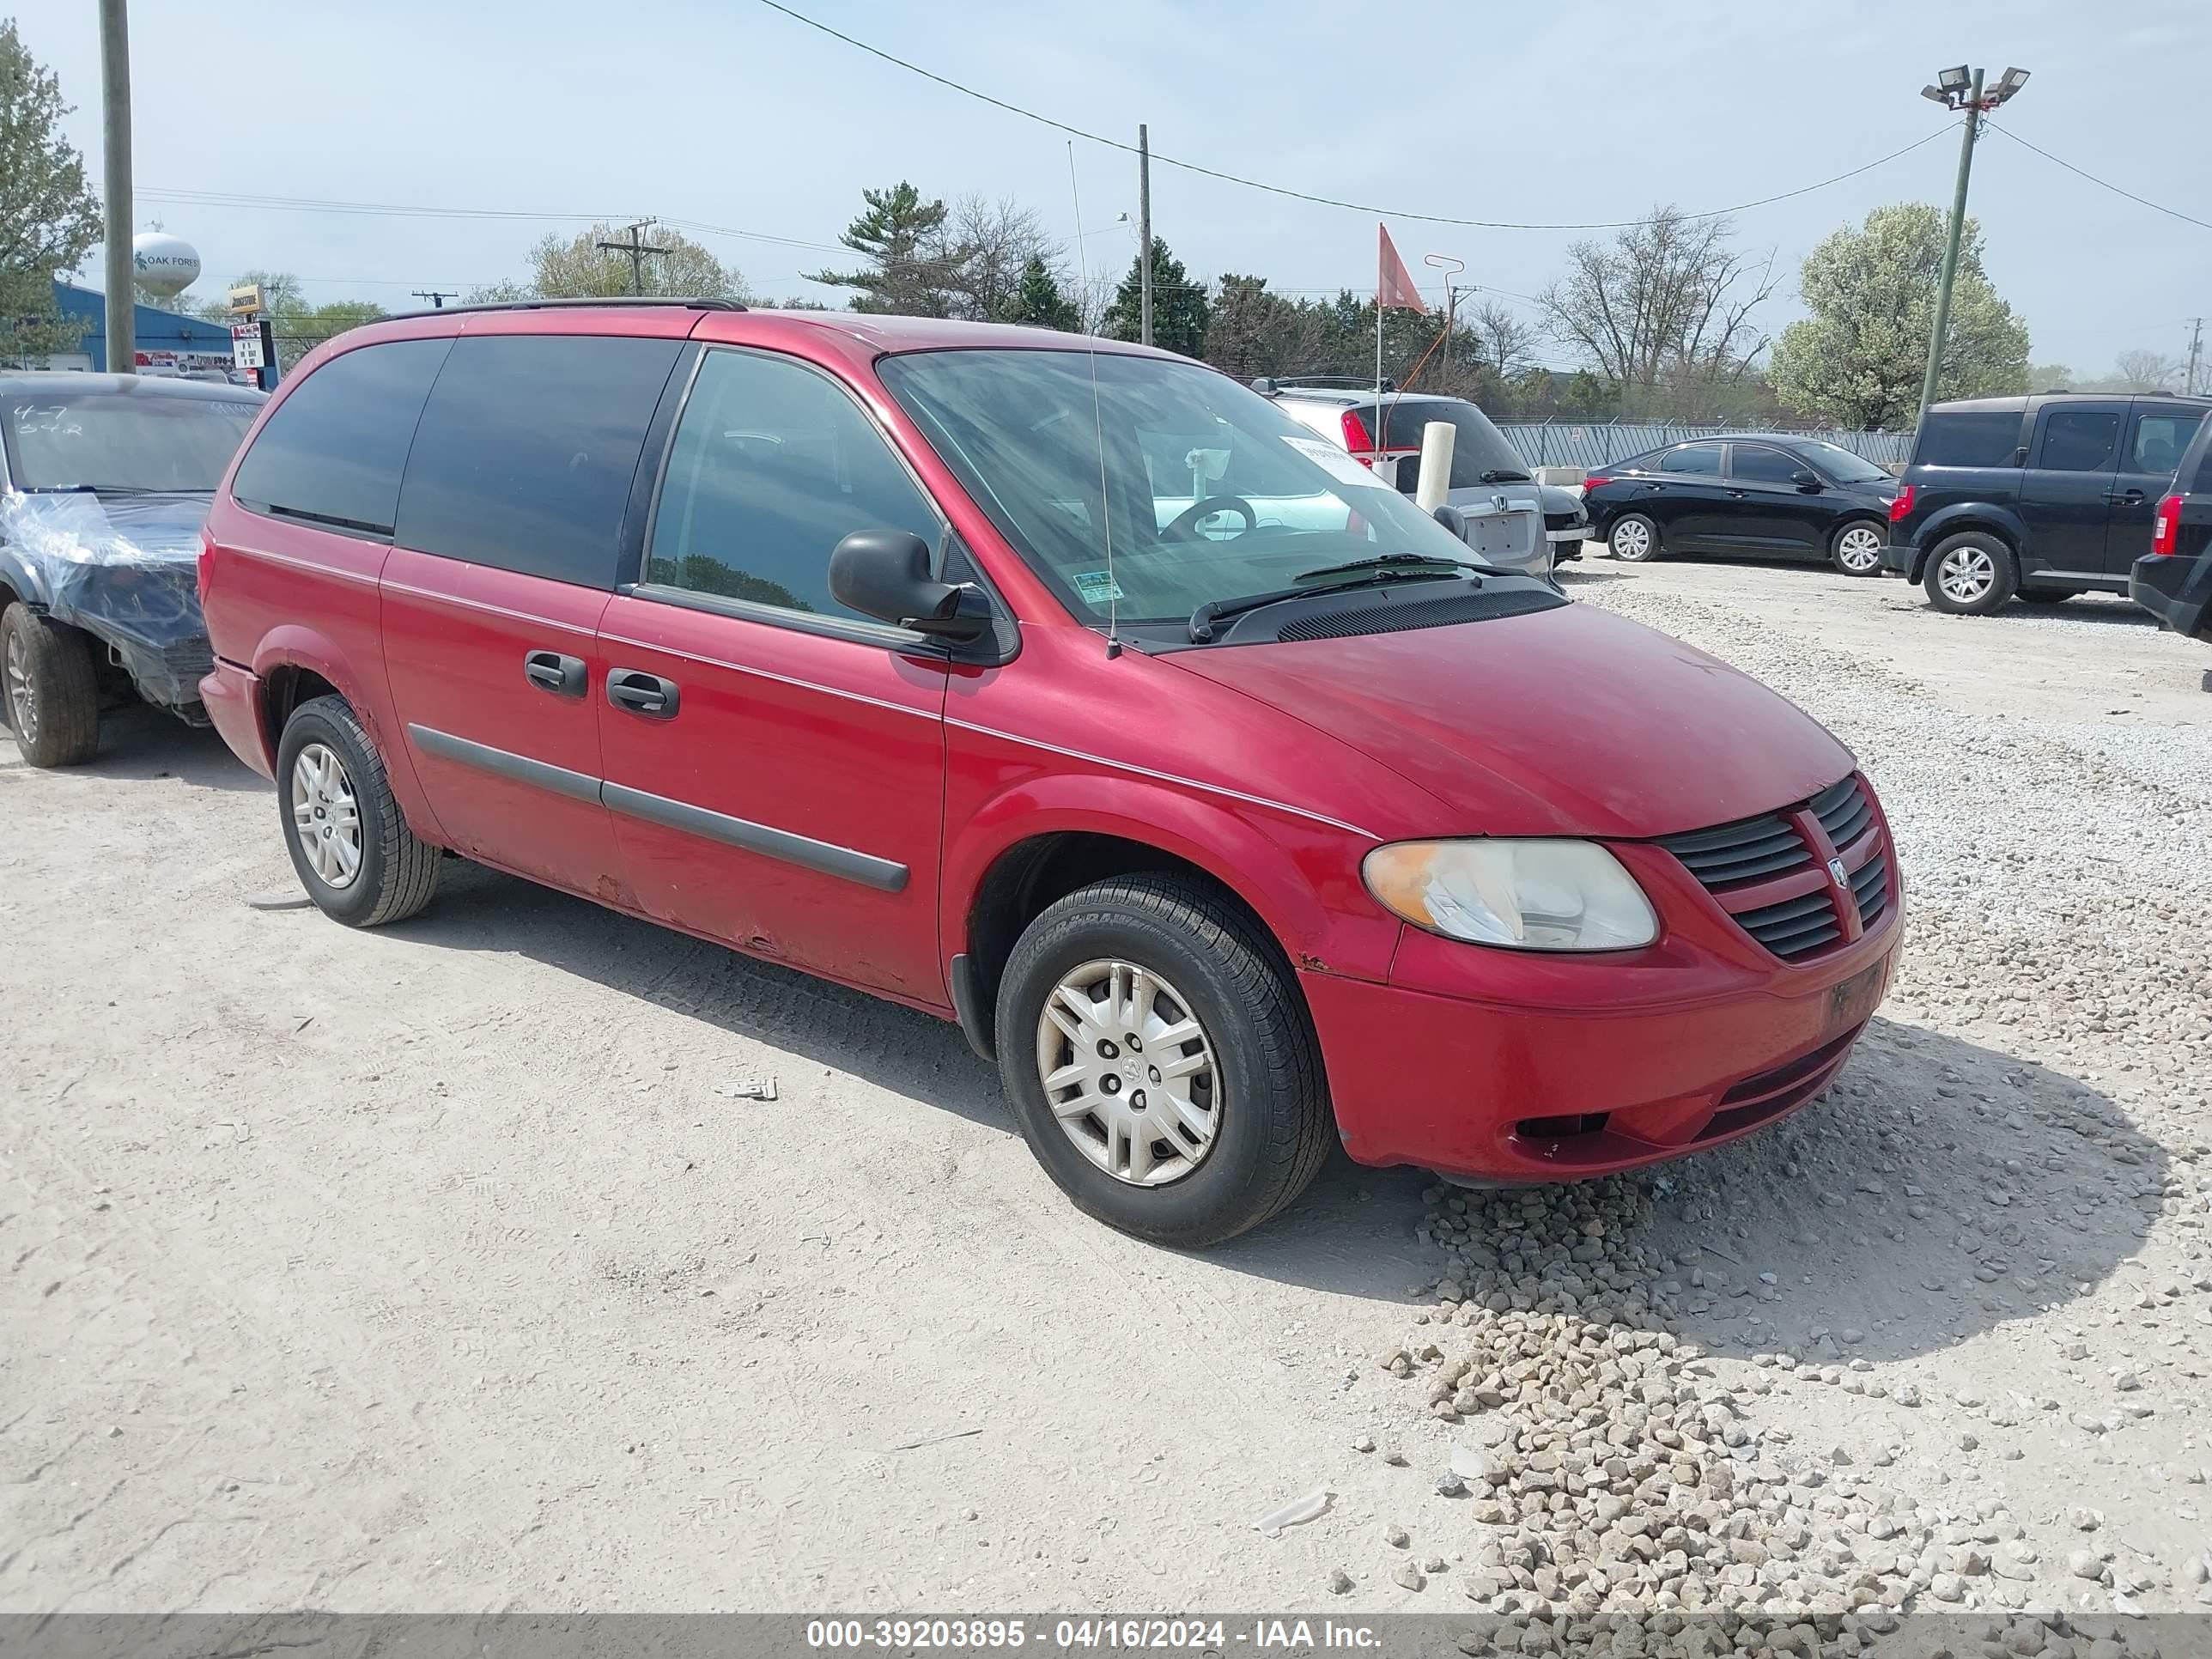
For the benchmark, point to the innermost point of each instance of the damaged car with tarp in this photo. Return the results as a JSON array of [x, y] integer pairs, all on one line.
[[105, 481]]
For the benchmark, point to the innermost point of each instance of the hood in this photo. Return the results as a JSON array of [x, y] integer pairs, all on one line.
[[1568, 721]]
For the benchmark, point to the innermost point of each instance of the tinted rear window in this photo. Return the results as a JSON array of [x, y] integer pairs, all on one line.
[[1968, 438], [1691, 458], [526, 450], [332, 451], [2201, 484], [1478, 447]]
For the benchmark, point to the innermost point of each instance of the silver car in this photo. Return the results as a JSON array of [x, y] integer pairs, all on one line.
[[1500, 504]]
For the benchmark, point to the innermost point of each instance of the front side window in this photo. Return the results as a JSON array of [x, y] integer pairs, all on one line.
[[527, 449], [1144, 489], [773, 465], [331, 453], [122, 441], [2078, 440], [2160, 441], [1759, 464], [1692, 458]]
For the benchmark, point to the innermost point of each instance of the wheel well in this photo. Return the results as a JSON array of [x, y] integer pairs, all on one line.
[[1035, 873], [285, 689], [1974, 526]]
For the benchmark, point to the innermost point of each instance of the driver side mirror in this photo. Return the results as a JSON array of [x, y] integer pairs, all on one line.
[[885, 574], [1806, 479]]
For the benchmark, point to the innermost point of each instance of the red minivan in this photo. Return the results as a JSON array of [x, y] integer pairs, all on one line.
[[1067, 690]]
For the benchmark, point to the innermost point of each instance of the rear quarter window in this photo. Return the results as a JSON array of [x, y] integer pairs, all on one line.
[[1968, 438], [331, 453], [526, 451]]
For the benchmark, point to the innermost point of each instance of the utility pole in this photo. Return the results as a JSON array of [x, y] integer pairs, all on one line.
[[115, 166], [1959, 89], [637, 250], [1451, 268], [437, 297], [2195, 351], [1144, 235]]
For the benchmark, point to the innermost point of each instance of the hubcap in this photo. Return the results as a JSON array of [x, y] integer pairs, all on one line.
[[1859, 547], [325, 816], [1631, 539], [1128, 1071], [22, 694], [1966, 574]]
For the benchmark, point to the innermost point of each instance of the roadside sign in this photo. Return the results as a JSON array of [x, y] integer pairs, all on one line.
[[246, 345], [245, 302]]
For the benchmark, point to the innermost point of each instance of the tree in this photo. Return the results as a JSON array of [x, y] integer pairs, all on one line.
[[580, 269], [1858, 360], [1038, 301], [986, 249], [2147, 371], [1503, 344], [911, 264], [308, 326], [1664, 310], [1252, 331], [49, 217], [1180, 311], [2049, 377]]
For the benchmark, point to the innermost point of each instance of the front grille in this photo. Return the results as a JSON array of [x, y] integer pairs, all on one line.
[[1397, 618], [1743, 862]]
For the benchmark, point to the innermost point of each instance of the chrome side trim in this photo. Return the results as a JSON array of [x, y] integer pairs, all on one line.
[[516, 769], [828, 858]]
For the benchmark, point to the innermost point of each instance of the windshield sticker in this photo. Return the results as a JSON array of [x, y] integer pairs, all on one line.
[[1334, 462], [1096, 586]]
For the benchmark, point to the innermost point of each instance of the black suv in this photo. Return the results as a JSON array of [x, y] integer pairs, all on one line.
[[2040, 497], [2174, 579]]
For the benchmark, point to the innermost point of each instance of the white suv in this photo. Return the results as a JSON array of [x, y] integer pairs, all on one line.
[[1501, 505]]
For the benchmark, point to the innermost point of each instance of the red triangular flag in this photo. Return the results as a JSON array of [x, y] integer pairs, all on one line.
[[1394, 286]]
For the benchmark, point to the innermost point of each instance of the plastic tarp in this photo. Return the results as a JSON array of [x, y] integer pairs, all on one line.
[[124, 568]]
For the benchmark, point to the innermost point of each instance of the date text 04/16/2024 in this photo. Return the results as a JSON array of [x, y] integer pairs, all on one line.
[[1204, 1636]]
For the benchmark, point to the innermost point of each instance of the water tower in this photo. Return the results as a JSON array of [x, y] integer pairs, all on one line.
[[164, 265]]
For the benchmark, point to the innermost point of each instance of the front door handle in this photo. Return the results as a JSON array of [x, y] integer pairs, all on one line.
[[641, 693], [548, 670], [1735, 495], [2123, 495]]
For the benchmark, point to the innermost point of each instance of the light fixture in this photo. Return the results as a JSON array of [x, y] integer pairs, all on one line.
[[2014, 80], [1954, 80], [1935, 93]]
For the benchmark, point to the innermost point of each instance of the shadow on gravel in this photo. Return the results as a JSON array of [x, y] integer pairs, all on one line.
[[144, 742]]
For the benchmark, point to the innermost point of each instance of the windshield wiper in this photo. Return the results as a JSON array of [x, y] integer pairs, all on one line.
[[1359, 573], [1505, 475]]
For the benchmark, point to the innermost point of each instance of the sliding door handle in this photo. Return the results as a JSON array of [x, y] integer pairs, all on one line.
[[641, 693]]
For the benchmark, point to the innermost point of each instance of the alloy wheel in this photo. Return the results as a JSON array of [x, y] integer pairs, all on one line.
[[22, 691], [1129, 1072], [1858, 550], [1632, 539], [1966, 574], [327, 816]]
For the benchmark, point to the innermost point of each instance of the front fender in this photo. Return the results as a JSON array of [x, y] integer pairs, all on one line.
[[20, 578], [1300, 876], [2004, 522]]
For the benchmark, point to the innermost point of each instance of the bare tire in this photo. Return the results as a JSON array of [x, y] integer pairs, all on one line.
[[1160, 1061], [348, 841], [52, 692], [1633, 539], [1855, 548], [1970, 575]]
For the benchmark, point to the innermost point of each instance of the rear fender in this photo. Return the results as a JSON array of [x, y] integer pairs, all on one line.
[[294, 645], [2003, 522]]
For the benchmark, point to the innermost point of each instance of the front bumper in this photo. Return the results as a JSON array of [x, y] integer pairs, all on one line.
[[147, 614], [1596, 1065], [2177, 591]]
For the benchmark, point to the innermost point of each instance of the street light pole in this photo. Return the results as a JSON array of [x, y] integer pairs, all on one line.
[[1959, 89], [122, 343]]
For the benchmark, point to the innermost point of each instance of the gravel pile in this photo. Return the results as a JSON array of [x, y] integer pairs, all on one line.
[[1832, 1387]]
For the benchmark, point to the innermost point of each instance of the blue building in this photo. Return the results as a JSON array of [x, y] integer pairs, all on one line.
[[167, 344]]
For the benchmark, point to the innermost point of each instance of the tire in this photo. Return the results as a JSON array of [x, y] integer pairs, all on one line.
[[1262, 1098], [1855, 548], [392, 873], [2035, 596], [1632, 539], [1970, 575], [52, 692]]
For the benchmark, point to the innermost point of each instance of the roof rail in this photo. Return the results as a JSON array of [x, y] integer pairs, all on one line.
[[619, 300]]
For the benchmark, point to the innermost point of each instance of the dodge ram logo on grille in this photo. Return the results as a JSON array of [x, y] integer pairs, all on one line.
[[1839, 875]]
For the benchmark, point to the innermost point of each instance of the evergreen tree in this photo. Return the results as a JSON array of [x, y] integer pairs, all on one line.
[[902, 237], [49, 217], [1038, 302], [1180, 312]]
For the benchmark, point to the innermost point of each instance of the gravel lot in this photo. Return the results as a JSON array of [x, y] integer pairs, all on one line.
[[430, 1268]]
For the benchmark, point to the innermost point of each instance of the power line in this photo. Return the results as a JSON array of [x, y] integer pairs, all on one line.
[[1304, 196], [2175, 213]]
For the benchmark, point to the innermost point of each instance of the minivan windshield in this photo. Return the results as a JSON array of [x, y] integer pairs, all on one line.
[[122, 441], [1207, 489]]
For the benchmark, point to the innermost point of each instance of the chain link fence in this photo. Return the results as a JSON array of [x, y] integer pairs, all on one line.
[[1600, 443]]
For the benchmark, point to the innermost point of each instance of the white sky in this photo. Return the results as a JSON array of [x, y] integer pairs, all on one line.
[[724, 112]]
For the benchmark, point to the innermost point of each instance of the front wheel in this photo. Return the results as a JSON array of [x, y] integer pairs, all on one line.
[[1634, 539], [1970, 575], [1160, 1061], [1856, 550], [349, 842], [53, 694]]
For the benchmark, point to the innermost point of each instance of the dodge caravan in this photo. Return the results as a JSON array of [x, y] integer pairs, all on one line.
[[1070, 690]]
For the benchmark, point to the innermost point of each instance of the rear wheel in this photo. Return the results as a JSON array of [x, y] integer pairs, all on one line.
[[1633, 538], [1970, 575], [349, 842], [53, 692], [1160, 1061], [1856, 550]]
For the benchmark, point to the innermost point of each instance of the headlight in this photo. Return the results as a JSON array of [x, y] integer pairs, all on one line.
[[1527, 895]]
